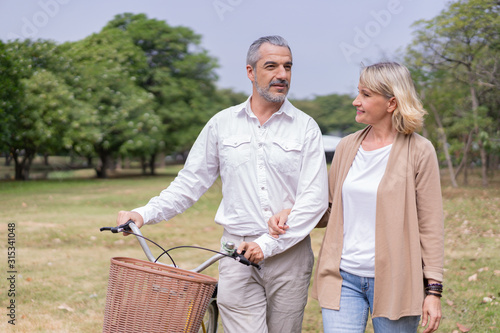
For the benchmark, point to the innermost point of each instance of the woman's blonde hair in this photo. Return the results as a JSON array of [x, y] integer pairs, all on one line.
[[391, 79]]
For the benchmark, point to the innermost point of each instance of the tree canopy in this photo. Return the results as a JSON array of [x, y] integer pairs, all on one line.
[[137, 88], [141, 88], [455, 58]]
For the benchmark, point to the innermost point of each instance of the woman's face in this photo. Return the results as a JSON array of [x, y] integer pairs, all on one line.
[[372, 108]]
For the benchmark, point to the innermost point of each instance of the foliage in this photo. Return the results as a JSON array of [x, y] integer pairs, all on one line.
[[46, 114], [102, 72], [333, 113], [141, 87], [10, 95], [137, 88], [455, 57], [37, 118], [179, 74]]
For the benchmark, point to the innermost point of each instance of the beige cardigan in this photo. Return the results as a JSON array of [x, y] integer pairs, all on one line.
[[409, 232]]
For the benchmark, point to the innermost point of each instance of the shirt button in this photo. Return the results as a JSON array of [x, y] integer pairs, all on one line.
[[262, 188]]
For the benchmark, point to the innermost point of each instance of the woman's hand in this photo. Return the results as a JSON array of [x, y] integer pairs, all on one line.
[[431, 313], [277, 223]]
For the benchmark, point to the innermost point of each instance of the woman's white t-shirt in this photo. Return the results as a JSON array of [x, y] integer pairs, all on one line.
[[359, 198]]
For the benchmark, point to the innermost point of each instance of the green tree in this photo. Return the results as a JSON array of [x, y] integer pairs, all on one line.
[[35, 122], [10, 97], [463, 40], [145, 138], [103, 70], [443, 98], [47, 112], [179, 74]]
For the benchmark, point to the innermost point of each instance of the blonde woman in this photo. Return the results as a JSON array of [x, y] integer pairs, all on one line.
[[383, 248]]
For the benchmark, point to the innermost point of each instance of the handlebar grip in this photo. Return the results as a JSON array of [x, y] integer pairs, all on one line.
[[120, 228], [241, 258]]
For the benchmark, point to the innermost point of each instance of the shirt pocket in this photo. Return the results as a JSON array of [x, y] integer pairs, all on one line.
[[286, 155], [235, 151]]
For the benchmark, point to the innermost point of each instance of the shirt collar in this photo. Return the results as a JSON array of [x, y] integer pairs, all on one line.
[[286, 108]]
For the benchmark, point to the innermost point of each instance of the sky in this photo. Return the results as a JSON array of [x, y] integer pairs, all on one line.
[[330, 39]]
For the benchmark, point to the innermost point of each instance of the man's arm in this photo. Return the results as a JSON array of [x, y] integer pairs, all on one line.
[[199, 173], [311, 200]]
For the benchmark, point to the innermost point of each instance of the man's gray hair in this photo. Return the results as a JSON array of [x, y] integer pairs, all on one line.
[[253, 54]]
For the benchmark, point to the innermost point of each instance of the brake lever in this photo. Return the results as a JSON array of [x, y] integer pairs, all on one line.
[[120, 228], [241, 258]]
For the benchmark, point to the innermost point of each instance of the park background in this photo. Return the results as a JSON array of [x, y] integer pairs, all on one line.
[[100, 103]]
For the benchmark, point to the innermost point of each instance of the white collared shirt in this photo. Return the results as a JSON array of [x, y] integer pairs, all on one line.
[[264, 169]]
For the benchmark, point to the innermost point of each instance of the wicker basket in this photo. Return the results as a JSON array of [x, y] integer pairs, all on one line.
[[148, 297]]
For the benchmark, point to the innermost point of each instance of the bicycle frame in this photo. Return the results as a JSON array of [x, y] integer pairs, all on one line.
[[228, 251], [228, 248]]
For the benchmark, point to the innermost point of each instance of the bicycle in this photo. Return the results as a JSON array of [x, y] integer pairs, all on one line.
[[182, 298]]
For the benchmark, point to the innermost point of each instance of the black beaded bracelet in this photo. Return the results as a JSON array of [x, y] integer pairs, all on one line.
[[434, 288], [433, 294]]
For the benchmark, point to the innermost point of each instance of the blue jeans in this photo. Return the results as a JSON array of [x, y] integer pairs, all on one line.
[[356, 301]]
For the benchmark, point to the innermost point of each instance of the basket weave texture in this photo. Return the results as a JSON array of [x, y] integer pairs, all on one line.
[[148, 297]]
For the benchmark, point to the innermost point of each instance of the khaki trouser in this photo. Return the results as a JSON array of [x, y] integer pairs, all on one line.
[[270, 300]]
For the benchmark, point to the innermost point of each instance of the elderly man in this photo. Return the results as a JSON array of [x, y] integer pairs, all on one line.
[[270, 158]]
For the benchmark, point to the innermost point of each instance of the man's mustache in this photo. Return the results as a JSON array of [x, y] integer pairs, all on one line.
[[284, 82]]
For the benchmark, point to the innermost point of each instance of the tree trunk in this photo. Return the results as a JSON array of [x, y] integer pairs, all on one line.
[[27, 165], [102, 168], [22, 164], [482, 151], [8, 159], [444, 143], [492, 164], [484, 164], [463, 164], [152, 162], [144, 165]]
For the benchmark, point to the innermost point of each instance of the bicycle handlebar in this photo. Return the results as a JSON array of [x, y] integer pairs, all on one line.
[[120, 228], [132, 228], [241, 258]]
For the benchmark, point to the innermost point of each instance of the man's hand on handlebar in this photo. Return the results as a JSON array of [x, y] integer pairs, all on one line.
[[125, 216], [252, 251]]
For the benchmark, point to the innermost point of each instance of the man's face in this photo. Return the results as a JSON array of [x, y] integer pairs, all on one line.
[[272, 73]]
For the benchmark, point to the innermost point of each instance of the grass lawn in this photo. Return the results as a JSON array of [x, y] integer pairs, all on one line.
[[62, 259]]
